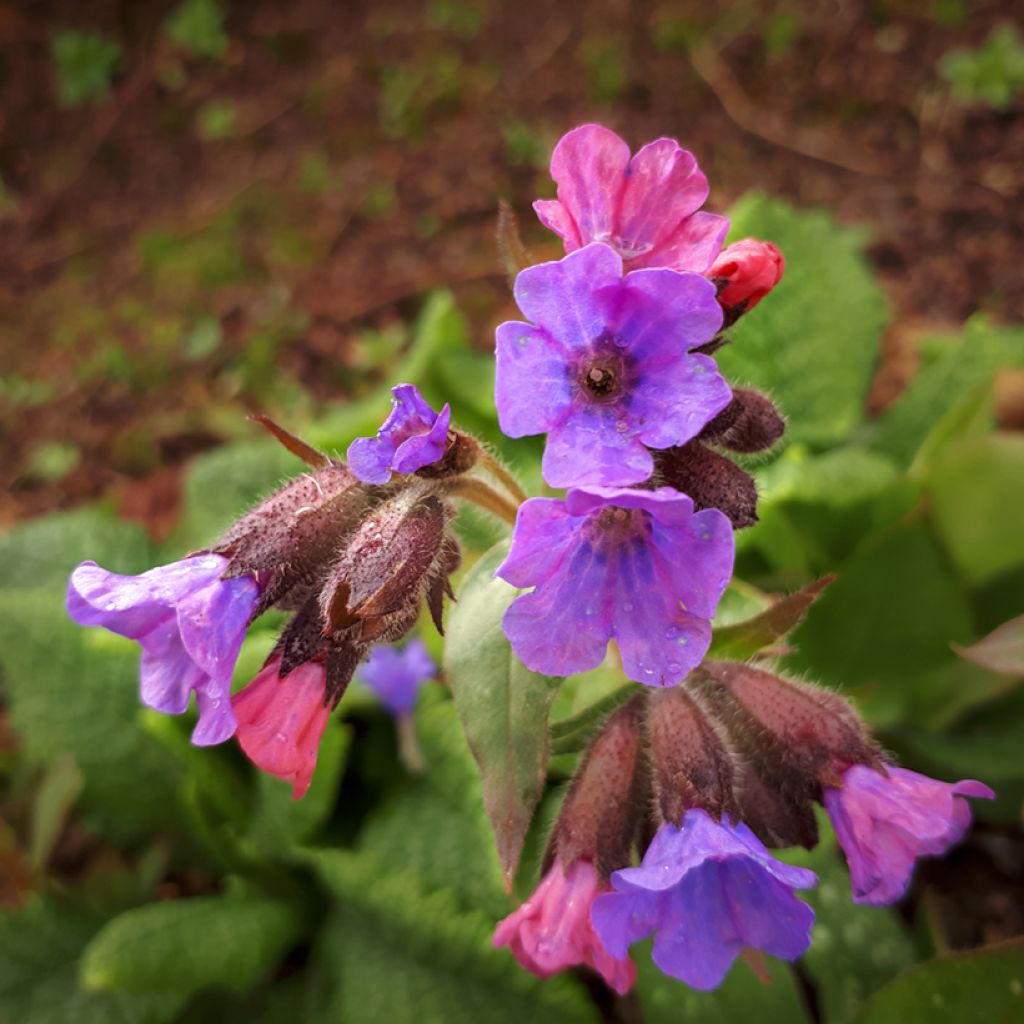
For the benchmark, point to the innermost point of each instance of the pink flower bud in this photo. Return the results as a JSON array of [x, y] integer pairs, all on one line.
[[281, 721], [750, 270]]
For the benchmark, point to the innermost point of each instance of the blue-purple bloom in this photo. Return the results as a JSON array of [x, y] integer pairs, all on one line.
[[705, 891], [604, 367], [885, 822], [396, 674], [413, 436], [639, 567], [190, 623]]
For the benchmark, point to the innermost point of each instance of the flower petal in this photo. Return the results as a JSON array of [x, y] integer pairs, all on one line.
[[552, 214], [693, 246], [595, 446], [532, 385], [544, 533]]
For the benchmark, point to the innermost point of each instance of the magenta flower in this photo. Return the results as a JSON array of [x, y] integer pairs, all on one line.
[[604, 368], [413, 436], [190, 623], [646, 207], [552, 931], [281, 721], [885, 822], [706, 891], [639, 567], [396, 675]]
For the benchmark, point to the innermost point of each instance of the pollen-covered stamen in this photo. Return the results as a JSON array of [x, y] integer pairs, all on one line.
[[601, 383]]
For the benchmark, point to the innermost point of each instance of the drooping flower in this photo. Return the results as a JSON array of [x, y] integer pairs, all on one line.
[[190, 624], [551, 931], [705, 891], [639, 567], [396, 675], [646, 207], [750, 270], [281, 721], [413, 436], [605, 368], [885, 822]]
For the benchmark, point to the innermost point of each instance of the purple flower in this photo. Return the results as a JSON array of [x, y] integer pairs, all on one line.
[[396, 675], [190, 624], [604, 367], [639, 567], [644, 207], [705, 891], [885, 822], [413, 436]]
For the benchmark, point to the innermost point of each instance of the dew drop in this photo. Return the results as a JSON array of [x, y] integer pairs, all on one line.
[[621, 426], [674, 668], [628, 606], [523, 340], [671, 632]]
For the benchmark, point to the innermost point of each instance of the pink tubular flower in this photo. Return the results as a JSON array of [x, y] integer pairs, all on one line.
[[552, 931], [645, 207], [281, 721], [885, 822], [750, 270]]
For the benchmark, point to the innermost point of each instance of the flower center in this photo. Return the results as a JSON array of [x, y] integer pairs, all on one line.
[[600, 382], [612, 527]]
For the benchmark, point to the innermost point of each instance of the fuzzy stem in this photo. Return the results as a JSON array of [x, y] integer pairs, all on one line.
[[485, 496], [493, 466]]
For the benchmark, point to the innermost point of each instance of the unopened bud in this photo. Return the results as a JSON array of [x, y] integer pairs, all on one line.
[[691, 764], [602, 810], [749, 423], [712, 480], [745, 273], [777, 817], [287, 537]]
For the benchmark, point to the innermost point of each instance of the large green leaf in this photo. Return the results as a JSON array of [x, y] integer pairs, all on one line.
[[502, 705], [982, 985], [39, 951], [814, 343], [183, 946], [402, 952]]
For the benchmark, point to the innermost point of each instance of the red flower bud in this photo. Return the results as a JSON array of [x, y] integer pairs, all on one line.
[[745, 273]]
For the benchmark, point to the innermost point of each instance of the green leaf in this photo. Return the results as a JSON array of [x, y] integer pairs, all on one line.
[[85, 63], [183, 946], [836, 478], [502, 705], [977, 493], [1001, 651], [401, 952], [57, 793], [197, 26], [982, 985], [814, 345], [883, 629], [39, 950], [743, 640]]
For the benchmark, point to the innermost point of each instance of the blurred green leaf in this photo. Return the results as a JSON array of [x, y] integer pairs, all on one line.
[[56, 795], [85, 63], [1001, 651], [982, 985], [836, 478], [977, 494], [39, 950], [502, 705], [993, 73], [183, 946], [197, 27], [814, 346]]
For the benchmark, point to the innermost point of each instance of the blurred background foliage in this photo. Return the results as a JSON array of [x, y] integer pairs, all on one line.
[[209, 209]]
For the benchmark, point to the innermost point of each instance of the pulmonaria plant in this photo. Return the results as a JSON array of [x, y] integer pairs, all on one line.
[[668, 823]]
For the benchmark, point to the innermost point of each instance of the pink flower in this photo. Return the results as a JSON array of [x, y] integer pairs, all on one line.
[[645, 207], [281, 721], [552, 931], [750, 269], [885, 822]]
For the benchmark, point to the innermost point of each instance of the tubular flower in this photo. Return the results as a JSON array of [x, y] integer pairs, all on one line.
[[189, 622], [396, 675], [748, 270], [645, 207], [604, 367], [282, 720], [552, 931], [413, 436], [705, 891], [885, 822], [639, 567]]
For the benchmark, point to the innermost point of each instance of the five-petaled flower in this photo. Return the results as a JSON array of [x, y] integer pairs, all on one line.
[[190, 624], [413, 436], [885, 822], [552, 930], [396, 674], [282, 720], [706, 890], [639, 567], [646, 207], [604, 368]]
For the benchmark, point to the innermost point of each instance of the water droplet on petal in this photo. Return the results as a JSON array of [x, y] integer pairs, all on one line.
[[621, 426], [674, 668]]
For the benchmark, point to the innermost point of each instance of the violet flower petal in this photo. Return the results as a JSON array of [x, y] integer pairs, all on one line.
[[532, 386]]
